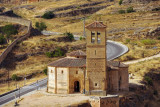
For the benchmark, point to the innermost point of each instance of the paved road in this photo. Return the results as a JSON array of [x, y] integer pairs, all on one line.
[[24, 90], [114, 50]]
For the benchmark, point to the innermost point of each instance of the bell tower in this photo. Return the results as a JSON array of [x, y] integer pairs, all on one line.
[[96, 72]]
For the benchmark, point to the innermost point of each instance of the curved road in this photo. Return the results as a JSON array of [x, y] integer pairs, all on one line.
[[114, 50]]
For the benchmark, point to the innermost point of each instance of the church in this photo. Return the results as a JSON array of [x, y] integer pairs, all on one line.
[[89, 73]]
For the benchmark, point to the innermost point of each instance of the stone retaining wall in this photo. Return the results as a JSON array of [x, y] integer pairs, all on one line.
[[21, 22]]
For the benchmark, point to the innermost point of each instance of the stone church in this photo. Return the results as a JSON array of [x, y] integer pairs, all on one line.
[[89, 73]]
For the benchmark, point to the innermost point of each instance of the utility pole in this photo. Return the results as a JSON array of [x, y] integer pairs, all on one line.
[[8, 79], [84, 32]]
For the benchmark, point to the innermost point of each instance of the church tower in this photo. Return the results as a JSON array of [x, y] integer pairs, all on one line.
[[96, 72]]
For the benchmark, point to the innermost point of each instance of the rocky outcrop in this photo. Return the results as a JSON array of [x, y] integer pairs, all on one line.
[[154, 32]]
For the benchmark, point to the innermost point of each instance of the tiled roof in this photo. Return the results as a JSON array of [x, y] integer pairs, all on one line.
[[69, 62], [96, 24], [77, 53], [116, 64]]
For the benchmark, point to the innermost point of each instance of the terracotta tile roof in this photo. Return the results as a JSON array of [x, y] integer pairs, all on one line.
[[116, 64], [96, 24], [69, 62], [77, 53]]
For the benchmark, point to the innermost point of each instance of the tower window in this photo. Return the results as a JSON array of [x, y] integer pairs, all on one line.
[[98, 37], [51, 71], [92, 37], [95, 84], [95, 52], [62, 72]]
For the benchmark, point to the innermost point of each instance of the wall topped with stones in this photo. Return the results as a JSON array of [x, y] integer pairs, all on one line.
[[18, 21], [106, 101]]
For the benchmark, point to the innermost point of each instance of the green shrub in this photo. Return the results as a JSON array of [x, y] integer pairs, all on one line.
[[148, 42], [158, 37], [69, 35], [2, 39], [56, 53], [41, 26], [81, 38], [48, 15], [49, 54], [148, 80], [121, 11], [130, 10], [9, 30], [45, 71], [120, 2], [156, 9], [128, 40], [14, 77]]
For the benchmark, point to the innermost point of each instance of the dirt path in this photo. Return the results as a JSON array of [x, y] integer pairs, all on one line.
[[143, 59]]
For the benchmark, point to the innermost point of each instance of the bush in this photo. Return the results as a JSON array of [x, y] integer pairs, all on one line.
[[148, 42], [48, 15], [128, 40], [45, 71], [120, 2], [81, 38], [41, 26], [56, 53], [2, 39], [121, 11], [69, 35], [14, 77], [156, 9], [148, 80], [9, 30], [158, 38], [130, 10]]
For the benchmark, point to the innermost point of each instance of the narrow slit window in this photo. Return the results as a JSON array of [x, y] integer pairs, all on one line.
[[98, 37], [95, 84], [92, 37], [76, 72], [95, 52], [62, 72]]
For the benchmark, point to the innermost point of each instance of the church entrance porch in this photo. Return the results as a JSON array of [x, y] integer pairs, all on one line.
[[76, 86]]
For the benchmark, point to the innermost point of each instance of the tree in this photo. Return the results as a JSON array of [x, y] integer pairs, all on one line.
[[120, 2], [2, 39], [130, 10], [41, 26], [69, 35], [48, 15], [14, 77], [9, 30]]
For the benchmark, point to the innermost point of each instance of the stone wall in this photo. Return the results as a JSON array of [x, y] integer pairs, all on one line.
[[18, 21], [106, 101]]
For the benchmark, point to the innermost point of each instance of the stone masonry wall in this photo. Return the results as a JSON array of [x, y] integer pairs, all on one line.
[[19, 21]]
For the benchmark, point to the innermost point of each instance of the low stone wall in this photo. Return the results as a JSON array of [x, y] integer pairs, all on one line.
[[105, 101], [21, 22]]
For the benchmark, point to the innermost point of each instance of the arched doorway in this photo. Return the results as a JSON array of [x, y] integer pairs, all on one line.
[[76, 86]]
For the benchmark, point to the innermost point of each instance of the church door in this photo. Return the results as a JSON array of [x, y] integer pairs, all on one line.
[[76, 86]]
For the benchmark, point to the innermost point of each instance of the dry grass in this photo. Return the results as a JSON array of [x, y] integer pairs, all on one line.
[[141, 68], [138, 50], [12, 85]]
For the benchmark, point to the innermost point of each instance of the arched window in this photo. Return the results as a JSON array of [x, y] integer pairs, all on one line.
[[92, 37], [51, 71], [98, 37]]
